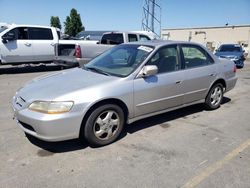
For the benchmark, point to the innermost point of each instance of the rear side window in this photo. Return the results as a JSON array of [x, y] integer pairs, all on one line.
[[40, 34], [195, 56], [132, 37], [112, 39]]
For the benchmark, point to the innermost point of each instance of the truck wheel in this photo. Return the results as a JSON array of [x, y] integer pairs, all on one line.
[[214, 97], [104, 125]]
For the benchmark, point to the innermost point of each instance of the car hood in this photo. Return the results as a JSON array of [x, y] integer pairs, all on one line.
[[51, 86], [228, 54]]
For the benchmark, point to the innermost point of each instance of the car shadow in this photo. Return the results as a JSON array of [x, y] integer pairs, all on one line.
[[72, 145], [29, 69], [57, 147], [163, 119]]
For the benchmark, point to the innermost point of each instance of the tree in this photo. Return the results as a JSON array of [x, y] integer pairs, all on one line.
[[73, 23], [67, 26], [55, 22]]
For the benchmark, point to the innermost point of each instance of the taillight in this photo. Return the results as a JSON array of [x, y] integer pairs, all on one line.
[[78, 53], [235, 68]]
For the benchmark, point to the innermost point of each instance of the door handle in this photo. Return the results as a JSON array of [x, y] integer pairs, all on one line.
[[178, 82], [52, 44], [27, 44], [213, 74]]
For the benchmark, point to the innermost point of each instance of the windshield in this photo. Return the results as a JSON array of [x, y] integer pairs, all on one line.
[[2, 29], [120, 61], [230, 48]]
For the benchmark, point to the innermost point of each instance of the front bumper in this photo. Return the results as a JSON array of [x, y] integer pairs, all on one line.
[[49, 127]]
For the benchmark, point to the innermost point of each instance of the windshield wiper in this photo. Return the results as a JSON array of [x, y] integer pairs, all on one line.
[[96, 70]]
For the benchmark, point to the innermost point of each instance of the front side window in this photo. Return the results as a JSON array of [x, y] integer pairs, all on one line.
[[119, 61], [2, 28], [195, 57], [132, 37], [20, 33], [166, 59], [40, 34]]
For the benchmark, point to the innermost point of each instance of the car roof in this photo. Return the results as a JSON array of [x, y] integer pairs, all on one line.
[[23, 25], [160, 43]]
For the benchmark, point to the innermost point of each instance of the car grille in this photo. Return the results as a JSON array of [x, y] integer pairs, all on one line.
[[227, 57]]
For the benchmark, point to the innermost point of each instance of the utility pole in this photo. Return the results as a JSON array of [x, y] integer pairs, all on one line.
[[151, 20]]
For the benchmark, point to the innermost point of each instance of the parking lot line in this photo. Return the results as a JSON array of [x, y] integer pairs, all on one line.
[[216, 166]]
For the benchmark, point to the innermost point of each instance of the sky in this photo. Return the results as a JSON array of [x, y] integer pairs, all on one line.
[[127, 14]]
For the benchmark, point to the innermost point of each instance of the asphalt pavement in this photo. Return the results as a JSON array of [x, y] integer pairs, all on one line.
[[190, 147]]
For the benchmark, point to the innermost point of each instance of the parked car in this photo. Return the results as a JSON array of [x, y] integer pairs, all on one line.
[[75, 54], [129, 82], [233, 52]]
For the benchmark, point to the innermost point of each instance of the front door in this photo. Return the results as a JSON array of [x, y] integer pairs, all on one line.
[[18, 50], [163, 90]]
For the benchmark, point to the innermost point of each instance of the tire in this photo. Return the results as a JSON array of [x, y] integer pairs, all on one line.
[[214, 97], [104, 125]]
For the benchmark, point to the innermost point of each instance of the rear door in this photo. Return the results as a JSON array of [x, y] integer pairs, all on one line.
[[163, 90], [18, 50], [43, 43], [199, 71]]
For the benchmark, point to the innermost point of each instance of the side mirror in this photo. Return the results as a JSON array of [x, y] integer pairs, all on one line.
[[147, 71], [8, 37]]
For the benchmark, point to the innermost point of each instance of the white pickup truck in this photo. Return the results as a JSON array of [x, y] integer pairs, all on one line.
[[26, 44], [20, 44], [76, 53]]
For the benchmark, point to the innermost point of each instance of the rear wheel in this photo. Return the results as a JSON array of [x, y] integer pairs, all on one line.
[[214, 97], [104, 125]]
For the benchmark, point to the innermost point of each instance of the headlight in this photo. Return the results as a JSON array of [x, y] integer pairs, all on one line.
[[51, 107]]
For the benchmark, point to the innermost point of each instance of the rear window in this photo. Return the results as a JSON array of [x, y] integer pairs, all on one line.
[[113, 38], [40, 34], [144, 38]]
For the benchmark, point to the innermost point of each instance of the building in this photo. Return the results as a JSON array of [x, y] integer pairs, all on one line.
[[211, 37]]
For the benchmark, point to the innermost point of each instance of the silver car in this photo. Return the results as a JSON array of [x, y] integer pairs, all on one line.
[[127, 83]]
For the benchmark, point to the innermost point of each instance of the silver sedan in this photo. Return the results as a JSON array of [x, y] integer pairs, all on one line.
[[125, 84]]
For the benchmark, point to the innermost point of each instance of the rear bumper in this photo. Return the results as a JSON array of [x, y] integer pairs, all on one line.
[[70, 61], [230, 84]]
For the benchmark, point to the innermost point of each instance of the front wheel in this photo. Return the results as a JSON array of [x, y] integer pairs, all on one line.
[[214, 97], [104, 125]]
